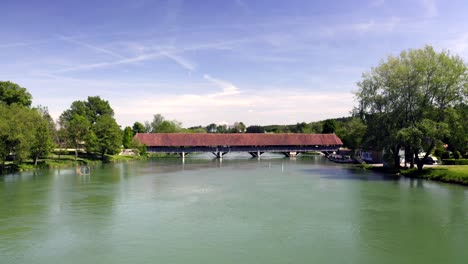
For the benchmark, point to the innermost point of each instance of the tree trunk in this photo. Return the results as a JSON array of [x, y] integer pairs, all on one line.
[[76, 153], [35, 160], [411, 160], [396, 157], [420, 165]]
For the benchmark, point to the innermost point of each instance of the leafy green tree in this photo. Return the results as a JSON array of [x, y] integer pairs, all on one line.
[[195, 129], [168, 127], [329, 126], [457, 121], [148, 128], [44, 132], [127, 137], [158, 119], [108, 136], [21, 131], [138, 147], [316, 127], [12, 93], [211, 128], [238, 127], [255, 129], [352, 133], [76, 131], [138, 128], [80, 123], [221, 129], [90, 109], [303, 128], [406, 101]]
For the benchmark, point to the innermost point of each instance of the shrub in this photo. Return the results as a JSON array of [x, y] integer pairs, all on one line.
[[446, 155], [455, 161]]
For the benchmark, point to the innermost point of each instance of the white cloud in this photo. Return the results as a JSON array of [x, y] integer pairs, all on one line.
[[371, 26], [228, 88], [93, 66], [180, 60], [272, 106], [92, 47]]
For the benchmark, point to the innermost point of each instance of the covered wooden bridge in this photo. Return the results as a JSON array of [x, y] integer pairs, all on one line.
[[255, 144]]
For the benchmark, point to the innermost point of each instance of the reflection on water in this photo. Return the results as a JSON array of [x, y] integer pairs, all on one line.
[[235, 210]]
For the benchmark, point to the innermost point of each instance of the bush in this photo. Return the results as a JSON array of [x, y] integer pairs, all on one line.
[[456, 155], [439, 153], [455, 161], [446, 155]]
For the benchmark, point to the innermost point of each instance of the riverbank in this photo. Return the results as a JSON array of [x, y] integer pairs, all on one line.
[[457, 174], [64, 161], [446, 173]]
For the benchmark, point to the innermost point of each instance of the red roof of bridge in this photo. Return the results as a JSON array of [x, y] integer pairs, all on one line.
[[240, 139]]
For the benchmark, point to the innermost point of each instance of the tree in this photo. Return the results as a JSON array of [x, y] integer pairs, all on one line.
[[457, 139], [15, 133], [43, 133], [303, 128], [255, 129], [23, 133], [138, 128], [352, 133], [127, 137], [157, 121], [76, 131], [238, 127], [148, 128], [108, 136], [12, 93], [221, 129], [329, 126], [211, 128], [79, 123], [406, 101], [168, 127], [90, 109]]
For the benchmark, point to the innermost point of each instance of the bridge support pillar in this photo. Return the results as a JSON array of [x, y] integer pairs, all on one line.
[[290, 154], [219, 154], [256, 154]]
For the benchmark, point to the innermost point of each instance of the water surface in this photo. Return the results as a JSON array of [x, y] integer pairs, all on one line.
[[237, 210]]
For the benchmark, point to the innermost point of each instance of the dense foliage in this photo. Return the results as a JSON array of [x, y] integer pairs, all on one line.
[[25, 133], [411, 101], [91, 125]]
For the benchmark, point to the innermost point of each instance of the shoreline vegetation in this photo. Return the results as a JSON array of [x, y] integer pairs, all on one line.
[[53, 161], [455, 174]]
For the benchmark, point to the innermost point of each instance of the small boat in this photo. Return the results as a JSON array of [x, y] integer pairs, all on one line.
[[341, 158]]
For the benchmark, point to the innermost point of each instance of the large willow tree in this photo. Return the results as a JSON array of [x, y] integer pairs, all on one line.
[[407, 101]]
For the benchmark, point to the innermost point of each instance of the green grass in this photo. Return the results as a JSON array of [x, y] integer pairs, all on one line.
[[451, 173], [118, 158]]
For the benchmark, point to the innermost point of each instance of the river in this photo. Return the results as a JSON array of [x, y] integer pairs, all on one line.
[[238, 210]]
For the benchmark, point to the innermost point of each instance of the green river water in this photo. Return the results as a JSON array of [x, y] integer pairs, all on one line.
[[238, 210]]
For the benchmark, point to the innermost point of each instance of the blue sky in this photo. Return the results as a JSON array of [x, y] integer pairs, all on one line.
[[260, 62]]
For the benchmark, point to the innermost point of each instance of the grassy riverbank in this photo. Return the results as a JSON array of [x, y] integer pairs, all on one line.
[[54, 161], [446, 173]]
